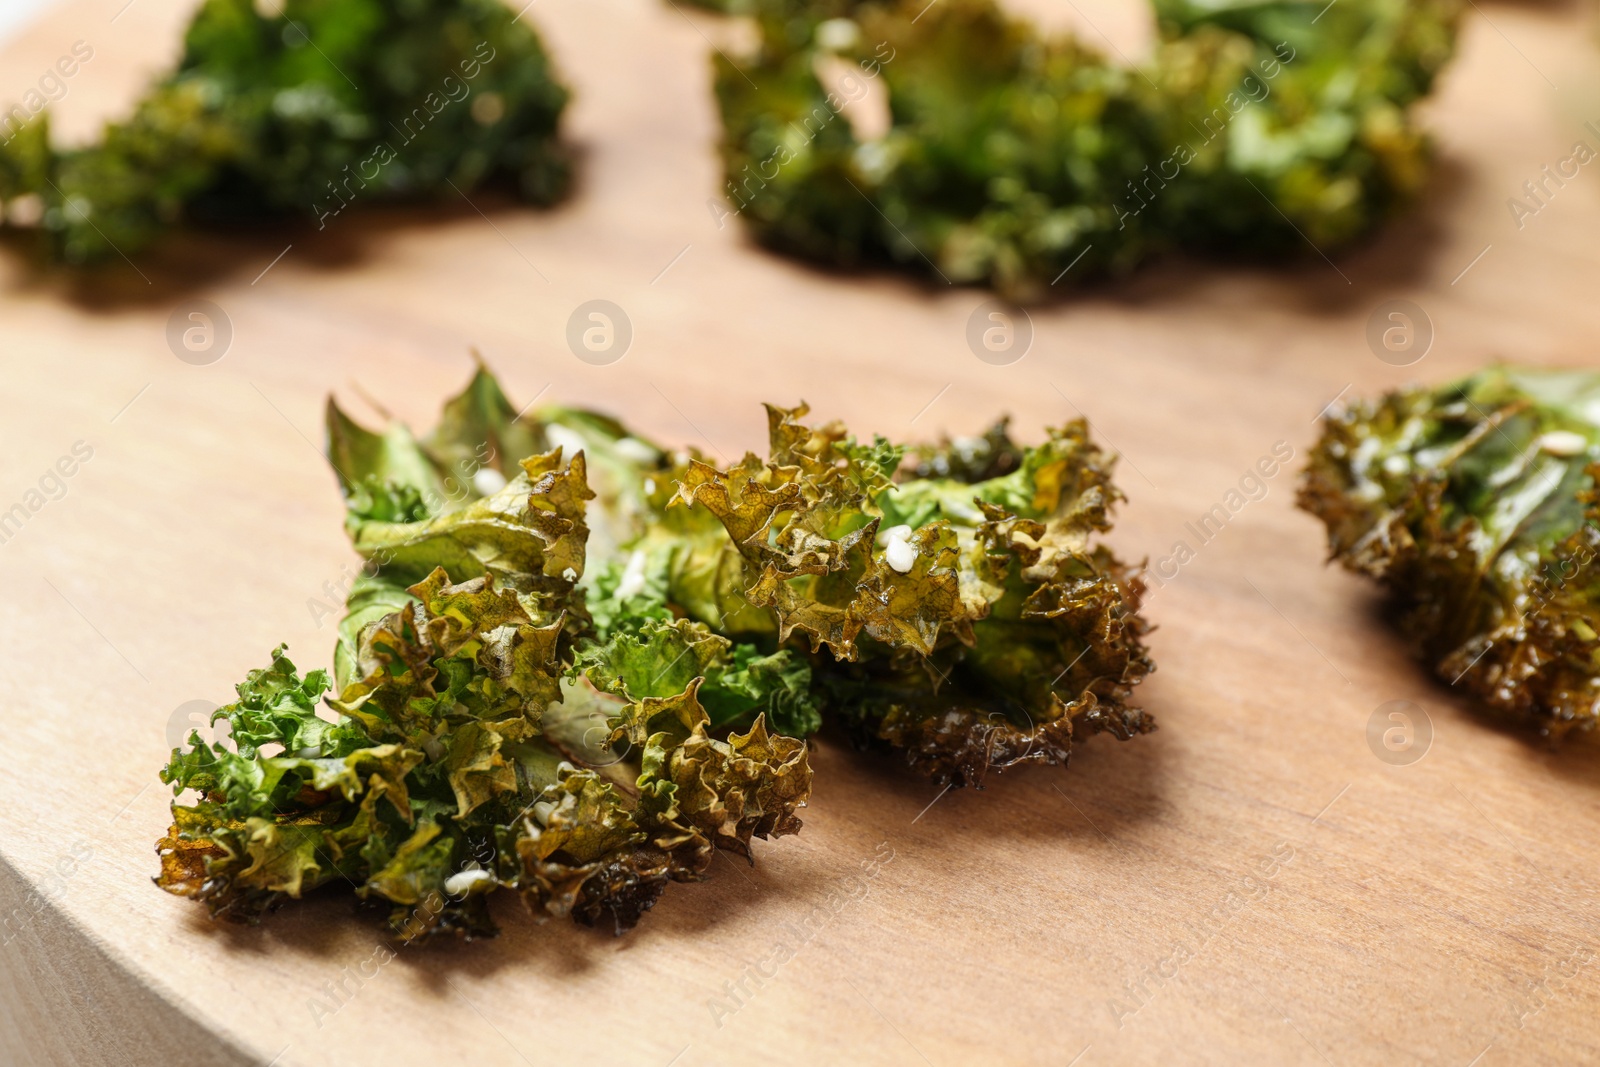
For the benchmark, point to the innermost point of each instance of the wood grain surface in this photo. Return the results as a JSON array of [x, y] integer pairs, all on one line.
[[1250, 884]]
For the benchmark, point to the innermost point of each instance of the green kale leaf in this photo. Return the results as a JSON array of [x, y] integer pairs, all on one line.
[[1475, 505], [473, 748], [300, 114], [443, 781], [971, 625], [1011, 159], [516, 708], [952, 601]]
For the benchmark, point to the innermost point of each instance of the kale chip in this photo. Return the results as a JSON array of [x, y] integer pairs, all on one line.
[[302, 113], [1022, 162], [952, 602], [1475, 505], [486, 737], [575, 664]]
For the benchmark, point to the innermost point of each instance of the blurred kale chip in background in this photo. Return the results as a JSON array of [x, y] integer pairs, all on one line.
[[326, 104], [1010, 159]]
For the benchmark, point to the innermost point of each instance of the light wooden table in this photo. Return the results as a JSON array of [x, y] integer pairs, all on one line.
[[1116, 912]]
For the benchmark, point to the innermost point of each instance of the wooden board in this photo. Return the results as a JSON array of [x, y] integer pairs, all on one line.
[[1250, 884]]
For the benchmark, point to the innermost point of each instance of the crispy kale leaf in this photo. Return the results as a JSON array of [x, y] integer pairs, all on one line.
[[654, 657], [463, 763], [302, 113], [1290, 107], [973, 625], [1010, 158], [951, 601], [972, 173], [525, 532], [516, 711], [1474, 504], [487, 735]]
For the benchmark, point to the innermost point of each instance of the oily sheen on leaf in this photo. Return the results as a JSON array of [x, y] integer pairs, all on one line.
[[1474, 504]]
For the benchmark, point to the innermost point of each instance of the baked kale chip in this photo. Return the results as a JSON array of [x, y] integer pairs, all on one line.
[[1023, 162], [1474, 504], [486, 737], [970, 624], [1290, 123], [953, 602], [575, 664], [327, 104]]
